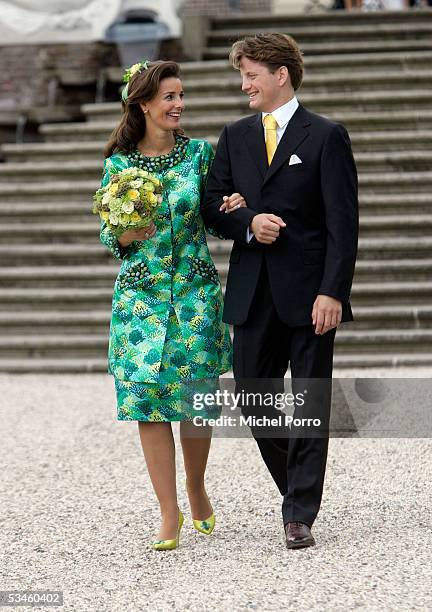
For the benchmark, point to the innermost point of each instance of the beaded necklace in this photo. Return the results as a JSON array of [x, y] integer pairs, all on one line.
[[160, 162]]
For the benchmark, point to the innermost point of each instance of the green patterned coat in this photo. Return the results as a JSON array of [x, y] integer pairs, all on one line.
[[172, 269]]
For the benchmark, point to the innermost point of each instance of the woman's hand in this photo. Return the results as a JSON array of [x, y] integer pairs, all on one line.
[[141, 234], [232, 202]]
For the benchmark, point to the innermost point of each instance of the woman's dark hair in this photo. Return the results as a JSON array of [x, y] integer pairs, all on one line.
[[272, 49], [143, 87]]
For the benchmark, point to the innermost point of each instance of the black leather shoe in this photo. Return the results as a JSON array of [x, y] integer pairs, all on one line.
[[298, 535]]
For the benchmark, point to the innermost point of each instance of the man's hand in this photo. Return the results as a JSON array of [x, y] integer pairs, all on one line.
[[266, 227], [141, 234], [232, 202], [326, 313]]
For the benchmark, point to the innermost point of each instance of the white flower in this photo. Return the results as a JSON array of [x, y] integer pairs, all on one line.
[[133, 69], [137, 183], [113, 219], [106, 198], [127, 207]]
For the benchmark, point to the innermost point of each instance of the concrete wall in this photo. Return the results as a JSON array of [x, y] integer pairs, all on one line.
[[27, 70]]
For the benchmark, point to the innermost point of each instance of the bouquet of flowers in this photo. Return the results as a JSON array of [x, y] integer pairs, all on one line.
[[129, 200]]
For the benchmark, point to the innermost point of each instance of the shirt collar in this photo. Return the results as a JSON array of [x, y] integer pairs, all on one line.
[[284, 113]]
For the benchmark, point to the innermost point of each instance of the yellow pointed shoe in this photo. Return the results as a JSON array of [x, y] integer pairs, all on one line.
[[170, 544], [206, 526]]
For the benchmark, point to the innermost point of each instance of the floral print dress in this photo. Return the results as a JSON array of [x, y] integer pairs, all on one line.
[[167, 338]]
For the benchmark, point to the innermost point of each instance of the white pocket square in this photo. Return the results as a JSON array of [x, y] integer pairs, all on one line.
[[294, 160]]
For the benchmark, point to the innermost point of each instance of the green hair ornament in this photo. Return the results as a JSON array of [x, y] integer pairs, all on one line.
[[129, 72]]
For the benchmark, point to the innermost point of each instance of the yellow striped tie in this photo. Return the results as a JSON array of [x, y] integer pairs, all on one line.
[[270, 125]]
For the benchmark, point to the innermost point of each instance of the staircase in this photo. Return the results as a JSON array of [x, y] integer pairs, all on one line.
[[56, 279]]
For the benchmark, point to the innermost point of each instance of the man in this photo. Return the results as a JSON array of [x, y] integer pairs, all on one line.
[[293, 216]]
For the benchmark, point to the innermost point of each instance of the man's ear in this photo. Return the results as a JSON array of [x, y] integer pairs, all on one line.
[[284, 76]]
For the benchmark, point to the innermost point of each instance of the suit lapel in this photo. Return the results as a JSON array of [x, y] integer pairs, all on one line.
[[295, 133], [255, 142]]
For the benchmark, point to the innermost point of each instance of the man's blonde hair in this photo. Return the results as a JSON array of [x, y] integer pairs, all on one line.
[[274, 50]]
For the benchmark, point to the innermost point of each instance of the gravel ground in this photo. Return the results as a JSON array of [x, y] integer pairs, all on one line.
[[78, 514]]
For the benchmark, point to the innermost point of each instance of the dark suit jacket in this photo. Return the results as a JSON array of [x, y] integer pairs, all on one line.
[[315, 253]]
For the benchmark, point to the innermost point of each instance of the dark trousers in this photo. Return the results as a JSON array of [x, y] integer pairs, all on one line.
[[263, 348]]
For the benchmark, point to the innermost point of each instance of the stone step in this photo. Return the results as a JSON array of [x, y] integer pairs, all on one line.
[[340, 81], [97, 275], [393, 292], [40, 212], [54, 322], [54, 299], [395, 225], [29, 211], [362, 142], [345, 47], [72, 322], [229, 84], [344, 19], [95, 345], [395, 183], [54, 254], [43, 171], [395, 203], [198, 127], [388, 141], [205, 126], [63, 276], [393, 270], [405, 61], [63, 365], [389, 233], [350, 100], [53, 152], [385, 340], [382, 360], [370, 249], [67, 231], [323, 66], [396, 317], [69, 298], [54, 346], [311, 35], [92, 365], [369, 182]]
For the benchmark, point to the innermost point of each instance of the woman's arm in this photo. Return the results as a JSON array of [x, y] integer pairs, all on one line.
[[206, 160]]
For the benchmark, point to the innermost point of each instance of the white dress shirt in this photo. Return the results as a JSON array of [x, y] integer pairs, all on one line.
[[282, 115]]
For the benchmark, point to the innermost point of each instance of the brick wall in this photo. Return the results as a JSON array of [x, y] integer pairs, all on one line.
[[225, 7]]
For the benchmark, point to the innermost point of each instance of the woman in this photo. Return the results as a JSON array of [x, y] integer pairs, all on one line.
[[167, 338]]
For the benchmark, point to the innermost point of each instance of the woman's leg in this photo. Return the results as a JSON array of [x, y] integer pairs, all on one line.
[[159, 451], [196, 445]]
